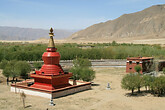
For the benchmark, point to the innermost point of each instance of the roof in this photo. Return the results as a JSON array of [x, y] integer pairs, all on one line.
[[139, 58]]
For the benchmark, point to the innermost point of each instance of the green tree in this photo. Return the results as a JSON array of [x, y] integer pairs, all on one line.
[[129, 82], [37, 65], [80, 62], [13, 71], [9, 69], [82, 70], [139, 81], [3, 64], [22, 68], [114, 43], [138, 68], [87, 74], [7, 73], [159, 85], [147, 80], [76, 74]]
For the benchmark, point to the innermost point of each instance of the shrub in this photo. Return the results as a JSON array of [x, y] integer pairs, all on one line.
[[138, 68]]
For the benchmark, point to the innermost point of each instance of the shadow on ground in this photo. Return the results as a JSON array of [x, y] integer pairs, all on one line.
[[95, 84], [28, 106], [137, 94]]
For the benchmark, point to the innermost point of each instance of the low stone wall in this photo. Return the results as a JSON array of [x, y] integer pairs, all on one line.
[[22, 87], [71, 91], [30, 92]]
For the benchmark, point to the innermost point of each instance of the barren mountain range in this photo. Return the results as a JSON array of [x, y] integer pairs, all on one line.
[[16, 33], [146, 24]]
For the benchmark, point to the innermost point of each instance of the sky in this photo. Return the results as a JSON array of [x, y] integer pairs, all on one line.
[[66, 14]]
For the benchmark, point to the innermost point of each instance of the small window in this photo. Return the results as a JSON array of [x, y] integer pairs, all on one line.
[[130, 68], [137, 63], [42, 72], [130, 62]]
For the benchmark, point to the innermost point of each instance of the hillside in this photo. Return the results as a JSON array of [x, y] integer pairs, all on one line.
[[146, 24], [16, 33]]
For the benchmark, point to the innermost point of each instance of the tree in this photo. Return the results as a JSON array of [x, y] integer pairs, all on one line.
[[22, 68], [13, 70], [138, 68], [138, 81], [16, 68], [37, 65], [80, 62], [114, 43], [147, 80], [9, 69], [3, 64], [87, 74], [159, 85], [76, 74], [7, 73], [82, 70], [129, 82]]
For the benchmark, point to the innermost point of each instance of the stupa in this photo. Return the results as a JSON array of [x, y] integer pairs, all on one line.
[[51, 76], [50, 81]]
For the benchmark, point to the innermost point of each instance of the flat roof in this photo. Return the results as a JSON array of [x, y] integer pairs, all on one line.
[[139, 58]]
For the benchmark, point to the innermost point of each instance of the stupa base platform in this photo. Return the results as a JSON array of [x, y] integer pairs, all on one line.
[[63, 91]]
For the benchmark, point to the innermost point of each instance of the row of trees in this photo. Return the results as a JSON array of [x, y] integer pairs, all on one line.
[[81, 70], [15, 69], [33, 52], [154, 85]]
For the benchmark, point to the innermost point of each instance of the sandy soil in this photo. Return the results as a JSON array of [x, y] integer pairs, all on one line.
[[98, 98], [134, 40]]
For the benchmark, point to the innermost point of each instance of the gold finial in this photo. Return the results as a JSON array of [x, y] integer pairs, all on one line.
[[51, 41], [51, 32]]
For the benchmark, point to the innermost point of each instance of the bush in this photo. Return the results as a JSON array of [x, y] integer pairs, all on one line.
[[138, 68]]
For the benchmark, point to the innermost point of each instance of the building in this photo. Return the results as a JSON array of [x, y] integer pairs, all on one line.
[[146, 64], [50, 81]]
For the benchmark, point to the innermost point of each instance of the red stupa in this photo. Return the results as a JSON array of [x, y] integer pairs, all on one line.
[[50, 81], [51, 76]]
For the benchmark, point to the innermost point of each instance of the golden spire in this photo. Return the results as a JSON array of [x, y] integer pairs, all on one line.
[[51, 41]]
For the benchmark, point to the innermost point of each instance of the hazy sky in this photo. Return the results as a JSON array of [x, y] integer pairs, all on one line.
[[66, 14]]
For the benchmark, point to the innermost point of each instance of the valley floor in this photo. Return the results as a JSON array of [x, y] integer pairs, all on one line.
[[98, 98]]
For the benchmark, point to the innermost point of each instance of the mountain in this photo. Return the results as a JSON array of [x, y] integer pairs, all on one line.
[[16, 33], [146, 24]]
